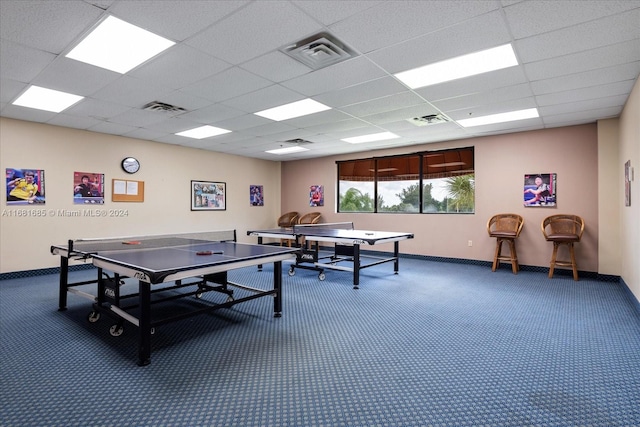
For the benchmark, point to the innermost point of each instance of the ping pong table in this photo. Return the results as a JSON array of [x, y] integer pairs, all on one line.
[[346, 240], [167, 268]]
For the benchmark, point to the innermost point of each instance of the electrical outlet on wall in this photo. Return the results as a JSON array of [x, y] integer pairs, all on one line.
[[470, 243]]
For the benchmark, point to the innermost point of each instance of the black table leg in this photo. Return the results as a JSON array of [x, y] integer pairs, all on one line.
[[277, 286], [144, 327], [64, 281], [356, 266]]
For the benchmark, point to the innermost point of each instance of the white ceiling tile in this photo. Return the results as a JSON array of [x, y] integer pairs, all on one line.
[[529, 18], [227, 84], [341, 75], [273, 24], [355, 94], [591, 35], [602, 91], [507, 77], [262, 99], [393, 22], [587, 79], [275, 66], [175, 19], [606, 56], [444, 44], [179, 66], [492, 96], [22, 63], [58, 22], [581, 59]]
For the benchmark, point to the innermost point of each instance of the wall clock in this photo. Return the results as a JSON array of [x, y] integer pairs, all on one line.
[[130, 165]]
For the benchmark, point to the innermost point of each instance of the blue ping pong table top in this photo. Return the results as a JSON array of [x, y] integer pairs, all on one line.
[[335, 234], [159, 262]]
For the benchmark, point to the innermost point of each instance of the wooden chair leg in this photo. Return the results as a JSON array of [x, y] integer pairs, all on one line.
[[574, 265], [496, 256], [514, 256], [553, 259]]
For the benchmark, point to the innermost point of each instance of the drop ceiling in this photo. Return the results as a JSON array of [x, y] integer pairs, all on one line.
[[578, 61]]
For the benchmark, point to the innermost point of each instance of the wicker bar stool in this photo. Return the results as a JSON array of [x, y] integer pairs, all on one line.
[[563, 230], [505, 228]]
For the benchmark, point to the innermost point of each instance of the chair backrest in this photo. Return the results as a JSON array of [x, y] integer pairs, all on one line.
[[505, 223], [288, 219], [563, 224], [310, 218]]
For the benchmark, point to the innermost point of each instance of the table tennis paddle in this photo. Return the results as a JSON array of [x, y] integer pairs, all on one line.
[[208, 252]]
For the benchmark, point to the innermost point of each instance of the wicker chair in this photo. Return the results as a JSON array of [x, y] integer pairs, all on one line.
[[310, 218], [505, 228], [563, 229], [287, 220]]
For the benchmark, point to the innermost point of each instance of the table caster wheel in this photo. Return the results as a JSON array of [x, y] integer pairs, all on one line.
[[94, 316], [321, 276], [116, 330], [292, 272]]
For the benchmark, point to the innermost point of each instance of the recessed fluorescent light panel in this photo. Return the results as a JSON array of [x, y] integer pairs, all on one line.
[[287, 150], [292, 110], [118, 46], [370, 138], [203, 132], [46, 99], [459, 67], [500, 118]]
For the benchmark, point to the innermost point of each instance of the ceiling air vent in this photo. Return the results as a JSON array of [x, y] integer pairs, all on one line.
[[319, 51], [163, 108], [428, 120], [298, 141]]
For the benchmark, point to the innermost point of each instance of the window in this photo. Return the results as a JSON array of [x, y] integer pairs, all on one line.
[[427, 182], [356, 186]]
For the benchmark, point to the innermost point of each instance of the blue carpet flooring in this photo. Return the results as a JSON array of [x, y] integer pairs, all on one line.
[[440, 344]]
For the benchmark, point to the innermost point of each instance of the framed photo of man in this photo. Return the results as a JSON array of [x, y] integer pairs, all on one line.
[[25, 186], [540, 189]]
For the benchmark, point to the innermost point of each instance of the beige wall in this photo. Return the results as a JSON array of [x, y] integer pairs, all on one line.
[[500, 163], [585, 158], [629, 218], [166, 171]]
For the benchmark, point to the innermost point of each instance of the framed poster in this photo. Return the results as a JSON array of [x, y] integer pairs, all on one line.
[[627, 183], [25, 186], [256, 195], [208, 196], [540, 189], [316, 195], [88, 188]]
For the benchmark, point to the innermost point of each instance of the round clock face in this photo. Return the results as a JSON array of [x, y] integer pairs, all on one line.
[[130, 165]]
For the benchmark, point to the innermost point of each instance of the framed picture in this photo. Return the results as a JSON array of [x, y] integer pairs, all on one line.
[[88, 188], [25, 186], [208, 196], [316, 195], [627, 183], [540, 189], [256, 195]]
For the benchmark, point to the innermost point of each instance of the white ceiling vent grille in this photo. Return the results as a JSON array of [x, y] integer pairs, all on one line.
[[432, 119], [319, 51], [163, 108], [298, 141]]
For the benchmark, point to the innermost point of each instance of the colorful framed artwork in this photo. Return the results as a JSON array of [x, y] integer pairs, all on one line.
[[88, 188], [25, 186], [256, 195], [208, 196], [540, 189], [316, 195]]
